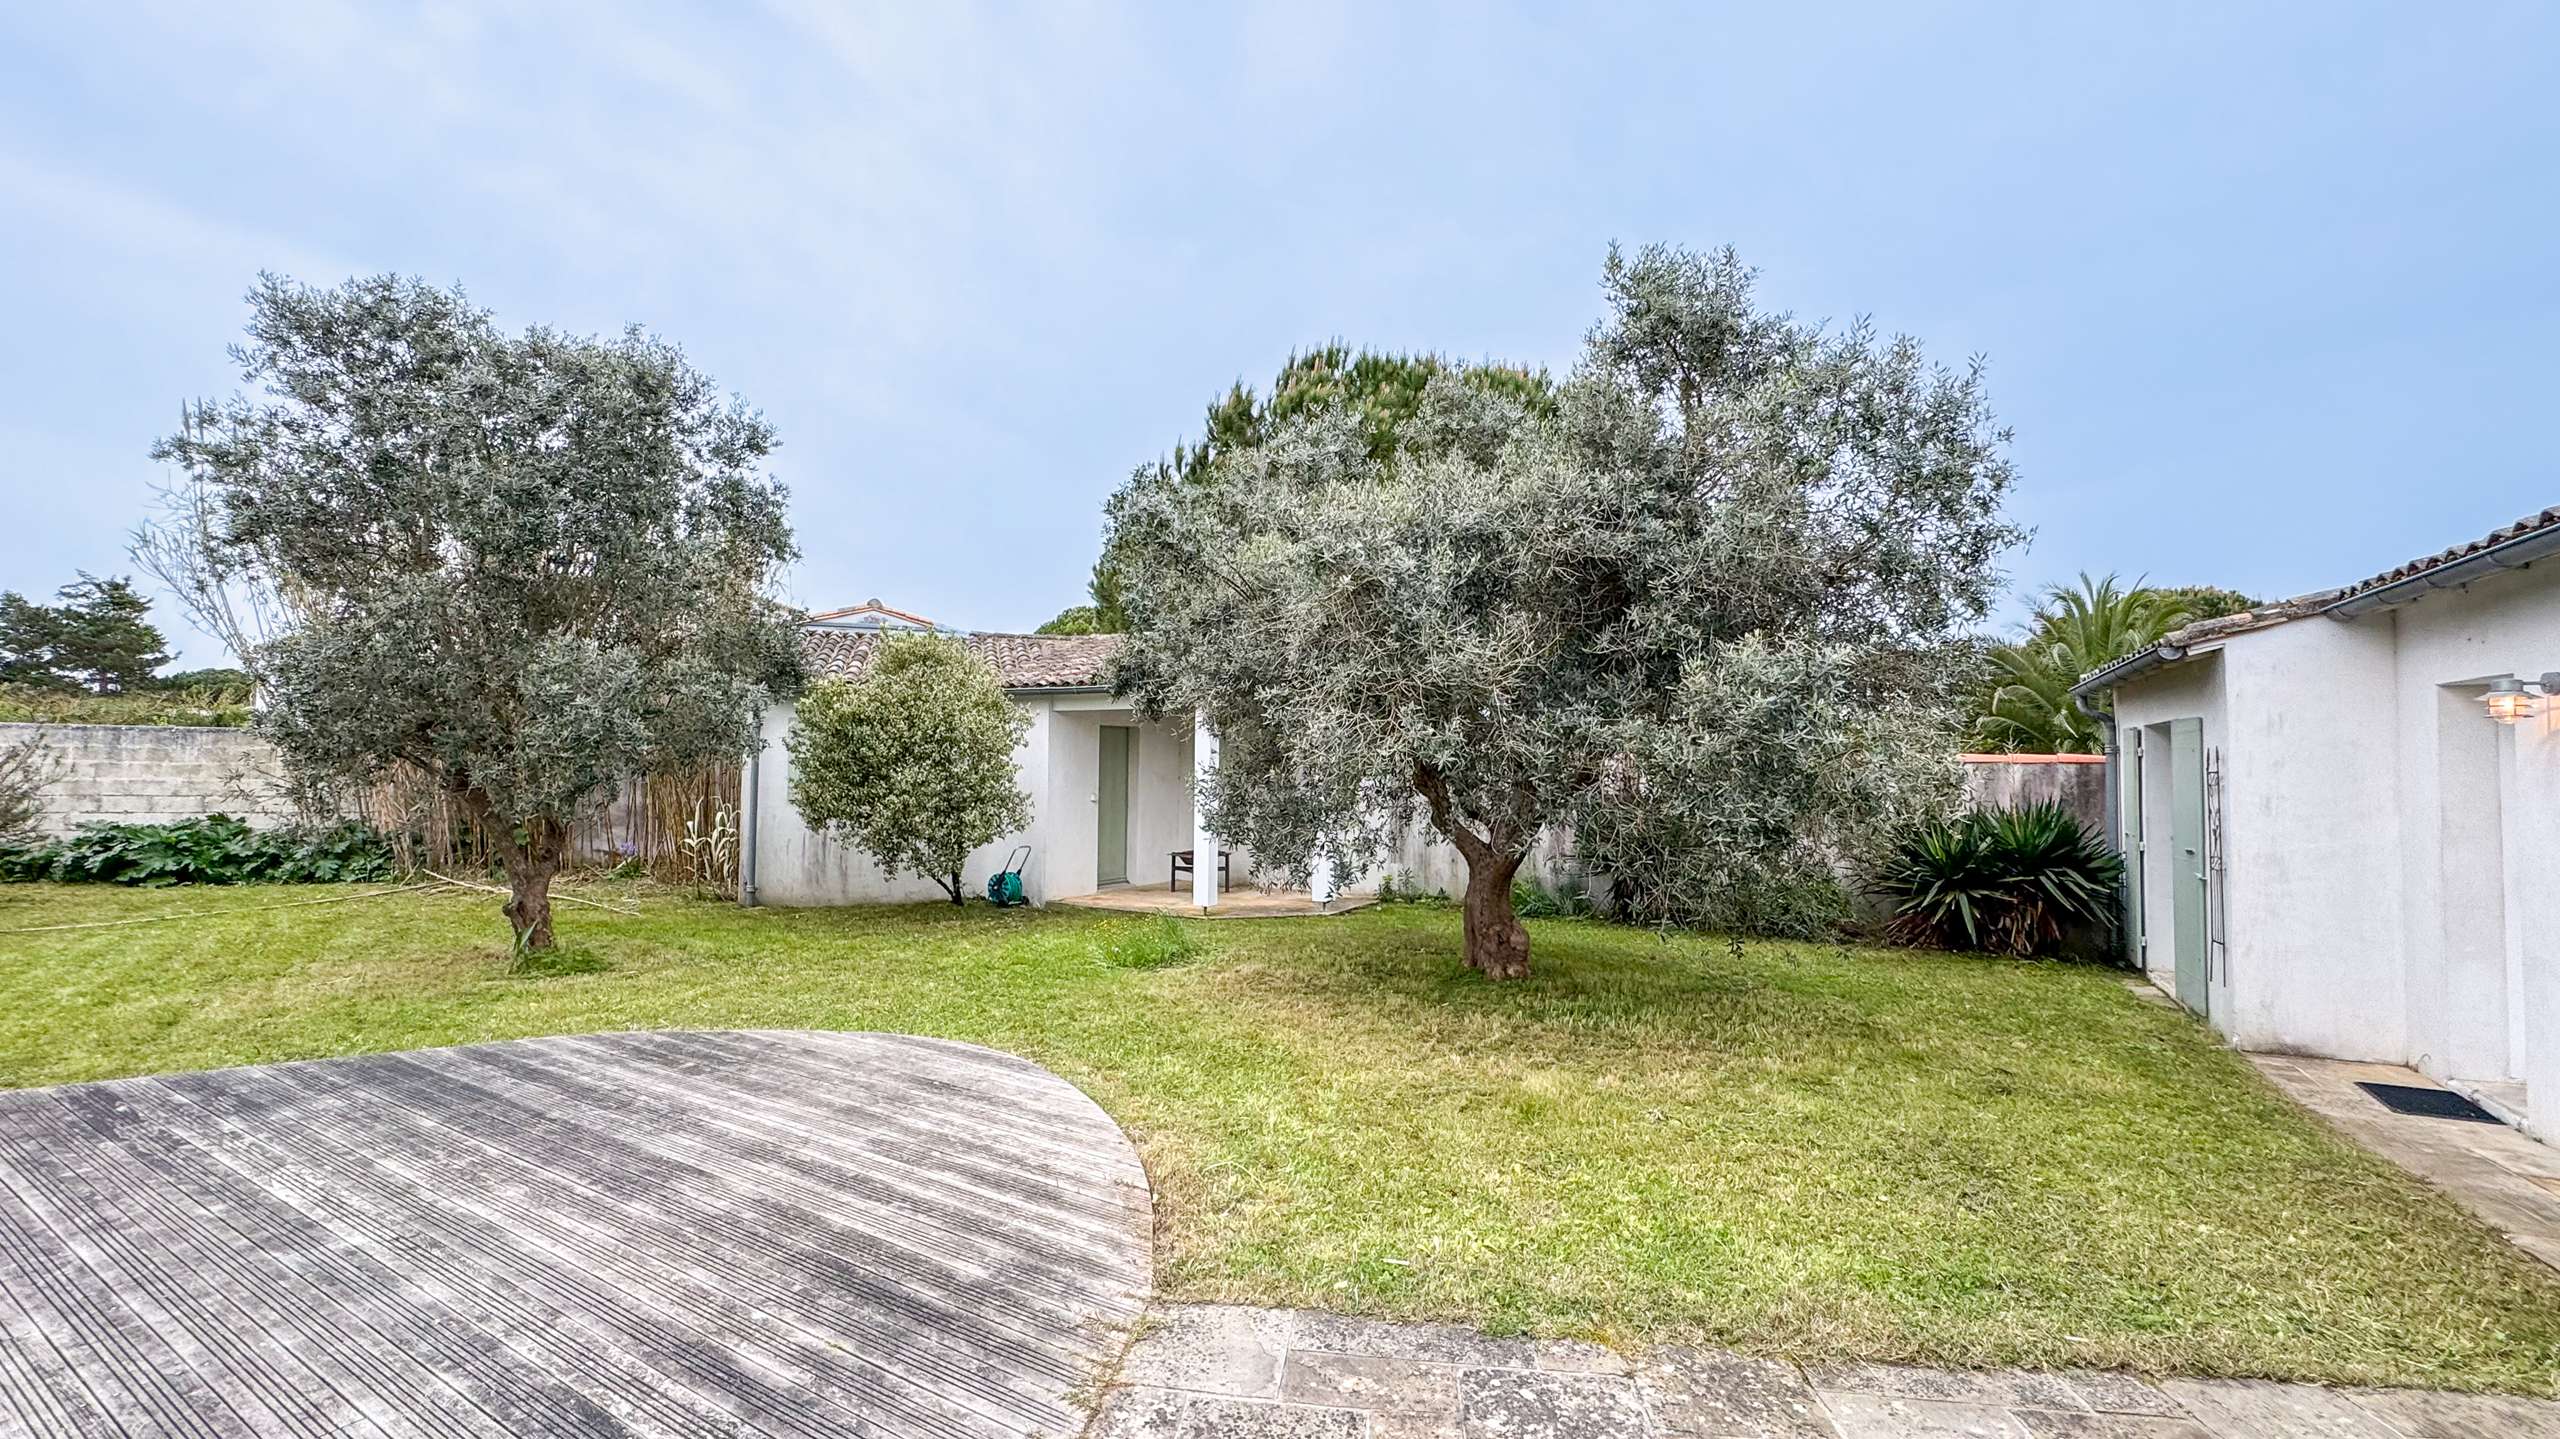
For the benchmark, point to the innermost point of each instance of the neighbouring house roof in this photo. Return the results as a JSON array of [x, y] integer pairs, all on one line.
[[870, 614], [2507, 547], [1021, 662]]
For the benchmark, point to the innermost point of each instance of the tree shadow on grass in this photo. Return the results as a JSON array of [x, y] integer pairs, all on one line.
[[1590, 982]]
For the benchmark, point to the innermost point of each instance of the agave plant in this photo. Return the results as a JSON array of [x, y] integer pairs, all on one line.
[[2014, 881]]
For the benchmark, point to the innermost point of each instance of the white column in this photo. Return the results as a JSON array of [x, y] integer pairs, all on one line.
[[1320, 879], [1204, 845], [2512, 829]]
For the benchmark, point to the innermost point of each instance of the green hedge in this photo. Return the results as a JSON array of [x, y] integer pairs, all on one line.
[[216, 849], [200, 706]]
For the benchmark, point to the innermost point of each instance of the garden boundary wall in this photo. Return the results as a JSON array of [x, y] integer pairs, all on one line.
[[159, 774], [1426, 863], [2077, 782], [152, 774]]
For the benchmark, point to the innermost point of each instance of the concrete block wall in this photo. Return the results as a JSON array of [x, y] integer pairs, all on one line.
[[152, 774], [2005, 781]]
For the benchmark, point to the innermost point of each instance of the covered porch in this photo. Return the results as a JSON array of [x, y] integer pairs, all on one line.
[[1125, 824]]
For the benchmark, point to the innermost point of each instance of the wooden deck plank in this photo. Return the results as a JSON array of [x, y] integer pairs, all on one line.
[[687, 1234], [794, 1216]]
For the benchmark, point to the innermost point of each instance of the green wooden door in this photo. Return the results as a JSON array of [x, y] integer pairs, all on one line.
[[2130, 807], [2186, 860], [1111, 804]]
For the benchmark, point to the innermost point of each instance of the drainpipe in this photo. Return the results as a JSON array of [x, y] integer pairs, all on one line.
[[747, 820], [2105, 715]]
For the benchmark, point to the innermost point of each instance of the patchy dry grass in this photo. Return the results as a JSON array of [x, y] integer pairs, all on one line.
[[1824, 1152]]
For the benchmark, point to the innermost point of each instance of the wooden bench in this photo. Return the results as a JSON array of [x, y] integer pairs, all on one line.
[[1182, 865]]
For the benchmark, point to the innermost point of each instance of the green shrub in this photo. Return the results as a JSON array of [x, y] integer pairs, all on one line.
[[1399, 887], [216, 707], [225, 680], [1805, 900], [1533, 901], [1149, 944], [216, 849], [2017, 881]]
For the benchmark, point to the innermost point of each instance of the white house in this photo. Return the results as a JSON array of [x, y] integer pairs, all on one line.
[[2344, 815], [1111, 795]]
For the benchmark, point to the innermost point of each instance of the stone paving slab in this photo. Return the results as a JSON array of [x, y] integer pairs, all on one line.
[[1241, 1373], [2506, 1178]]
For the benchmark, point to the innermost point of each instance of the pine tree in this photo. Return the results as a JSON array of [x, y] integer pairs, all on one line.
[[1385, 390]]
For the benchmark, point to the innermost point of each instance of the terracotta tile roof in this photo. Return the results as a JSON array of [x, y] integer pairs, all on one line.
[[2521, 528], [1022, 662], [2276, 612], [2174, 644]]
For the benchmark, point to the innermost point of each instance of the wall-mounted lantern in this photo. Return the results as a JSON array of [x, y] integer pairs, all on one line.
[[2510, 699]]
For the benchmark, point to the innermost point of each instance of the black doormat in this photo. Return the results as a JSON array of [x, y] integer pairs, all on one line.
[[2432, 1103]]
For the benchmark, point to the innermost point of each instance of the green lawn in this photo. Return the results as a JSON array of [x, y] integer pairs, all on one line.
[[1788, 1148]]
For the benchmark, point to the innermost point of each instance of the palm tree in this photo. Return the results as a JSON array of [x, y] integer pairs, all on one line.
[[2073, 631]]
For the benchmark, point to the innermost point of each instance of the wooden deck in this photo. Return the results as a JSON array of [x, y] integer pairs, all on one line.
[[697, 1234]]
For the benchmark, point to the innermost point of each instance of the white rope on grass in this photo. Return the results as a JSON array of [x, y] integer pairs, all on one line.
[[440, 883], [571, 898]]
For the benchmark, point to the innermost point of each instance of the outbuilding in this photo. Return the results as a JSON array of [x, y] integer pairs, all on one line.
[[2341, 817], [1113, 795]]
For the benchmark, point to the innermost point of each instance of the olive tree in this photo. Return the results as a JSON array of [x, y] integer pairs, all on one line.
[[530, 567], [912, 762], [1702, 609], [1383, 389], [28, 765]]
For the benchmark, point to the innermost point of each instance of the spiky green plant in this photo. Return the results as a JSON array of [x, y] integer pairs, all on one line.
[[2013, 881]]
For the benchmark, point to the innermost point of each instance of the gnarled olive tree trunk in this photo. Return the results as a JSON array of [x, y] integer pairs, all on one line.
[[530, 868], [1497, 943], [533, 853]]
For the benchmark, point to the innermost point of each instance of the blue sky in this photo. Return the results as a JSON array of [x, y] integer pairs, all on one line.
[[2267, 293]]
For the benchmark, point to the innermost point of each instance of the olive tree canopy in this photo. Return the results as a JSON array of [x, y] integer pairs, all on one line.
[[1702, 609], [528, 566], [1382, 390], [913, 761]]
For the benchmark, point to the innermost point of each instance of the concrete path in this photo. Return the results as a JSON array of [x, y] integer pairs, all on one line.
[[2510, 1181], [1218, 1372], [709, 1234]]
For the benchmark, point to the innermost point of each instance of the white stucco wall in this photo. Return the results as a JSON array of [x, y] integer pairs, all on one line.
[[2311, 907], [2390, 852], [796, 865], [2532, 792], [2499, 855], [1059, 762]]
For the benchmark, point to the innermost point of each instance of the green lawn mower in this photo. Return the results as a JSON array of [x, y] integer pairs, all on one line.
[[1004, 889]]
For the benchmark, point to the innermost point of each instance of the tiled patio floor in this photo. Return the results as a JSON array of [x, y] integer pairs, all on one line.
[[1246, 903], [2510, 1181]]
